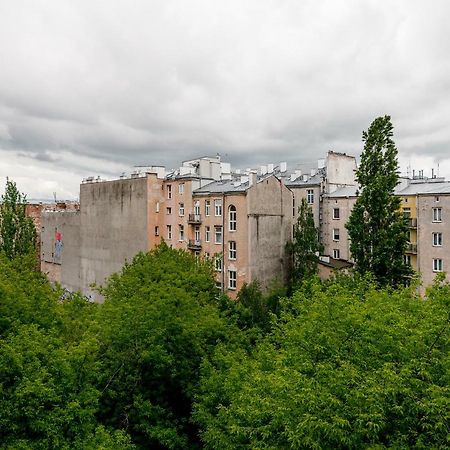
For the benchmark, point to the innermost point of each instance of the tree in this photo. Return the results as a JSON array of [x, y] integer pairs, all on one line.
[[377, 230], [158, 322], [348, 365], [305, 246], [17, 231]]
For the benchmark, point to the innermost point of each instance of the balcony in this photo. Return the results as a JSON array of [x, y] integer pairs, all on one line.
[[194, 244], [195, 219], [412, 222], [411, 248]]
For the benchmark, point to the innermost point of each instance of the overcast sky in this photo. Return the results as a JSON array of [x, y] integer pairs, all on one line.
[[95, 87]]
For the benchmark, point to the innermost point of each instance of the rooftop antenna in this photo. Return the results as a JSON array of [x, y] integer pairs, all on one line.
[[54, 196], [438, 170]]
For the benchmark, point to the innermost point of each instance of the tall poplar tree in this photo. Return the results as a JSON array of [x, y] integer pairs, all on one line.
[[305, 246], [376, 227], [17, 231]]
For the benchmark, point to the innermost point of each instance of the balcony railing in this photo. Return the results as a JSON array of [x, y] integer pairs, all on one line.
[[194, 244], [195, 218], [412, 248]]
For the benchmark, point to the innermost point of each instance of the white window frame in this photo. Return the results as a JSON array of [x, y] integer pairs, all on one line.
[[438, 265], [218, 208], [181, 209], [232, 250], [437, 214], [156, 230], [338, 215], [336, 253], [232, 218], [197, 208], [181, 233], [169, 232], [181, 188], [169, 210], [232, 279], [197, 233], [169, 191], [218, 263], [207, 233], [157, 207], [310, 196], [218, 231], [207, 207], [336, 234], [436, 239]]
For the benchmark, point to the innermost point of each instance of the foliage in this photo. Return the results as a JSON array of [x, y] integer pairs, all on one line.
[[17, 231], [252, 310], [305, 246], [347, 366], [377, 230], [159, 321], [49, 366]]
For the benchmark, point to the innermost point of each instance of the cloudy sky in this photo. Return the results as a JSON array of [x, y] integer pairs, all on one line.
[[93, 87]]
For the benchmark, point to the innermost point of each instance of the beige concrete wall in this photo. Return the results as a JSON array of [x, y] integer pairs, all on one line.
[[345, 206], [340, 171], [426, 252], [299, 193], [269, 229], [113, 228]]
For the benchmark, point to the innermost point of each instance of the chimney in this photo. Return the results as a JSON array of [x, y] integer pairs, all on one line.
[[252, 179]]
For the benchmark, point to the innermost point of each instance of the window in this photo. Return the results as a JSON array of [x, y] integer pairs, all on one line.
[[207, 207], [336, 235], [293, 207], [206, 255], [232, 216], [181, 232], [437, 239], [181, 209], [436, 199], [217, 208], [169, 191], [407, 259], [336, 213], [437, 214], [169, 232], [168, 210], [157, 206], [207, 234], [437, 265], [336, 253], [232, 252], [181, 188], [406, 213], [157, 231], [218, 234], [232, 279], [197, 233], [197, 208], [310, 196], [218, 263]]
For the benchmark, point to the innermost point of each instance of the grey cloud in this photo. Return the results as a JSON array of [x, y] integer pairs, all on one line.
[[159, 82]]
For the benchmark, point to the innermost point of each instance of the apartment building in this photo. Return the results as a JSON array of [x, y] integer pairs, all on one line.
[[242, 221], [425, 203]]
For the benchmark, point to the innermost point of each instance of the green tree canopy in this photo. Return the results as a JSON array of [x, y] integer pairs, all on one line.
[[305, 246], [377, 230], [347, 366], [159, 321], [17, 231]]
